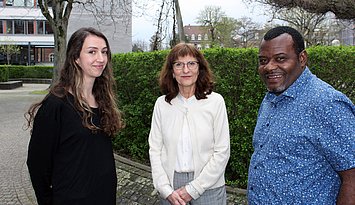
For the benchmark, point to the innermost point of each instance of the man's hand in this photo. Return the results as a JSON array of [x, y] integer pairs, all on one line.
[[184, 195], [175, 199], [347, 189]]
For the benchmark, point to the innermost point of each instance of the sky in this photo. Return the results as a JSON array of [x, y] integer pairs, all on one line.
[[143, 28]]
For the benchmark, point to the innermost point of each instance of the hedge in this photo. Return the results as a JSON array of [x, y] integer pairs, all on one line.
[[236, 79], [19, 71], [336, 66], [4, 73], [136, 75]]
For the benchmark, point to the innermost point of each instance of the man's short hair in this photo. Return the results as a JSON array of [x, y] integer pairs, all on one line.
[[298, 41]]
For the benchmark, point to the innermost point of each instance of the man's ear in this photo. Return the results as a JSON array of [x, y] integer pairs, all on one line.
[[303, 58]]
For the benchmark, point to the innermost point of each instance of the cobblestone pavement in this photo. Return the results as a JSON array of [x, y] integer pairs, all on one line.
[[135, 185], [134, 180], [15, 186]]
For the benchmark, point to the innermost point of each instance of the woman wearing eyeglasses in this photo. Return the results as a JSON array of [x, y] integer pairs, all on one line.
[[189, 136]]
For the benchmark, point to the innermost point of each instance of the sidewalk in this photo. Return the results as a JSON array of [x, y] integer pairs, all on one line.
[[134, 179]]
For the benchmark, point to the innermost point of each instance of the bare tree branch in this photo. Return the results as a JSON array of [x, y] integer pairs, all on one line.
[[343, 9], [57, 12]]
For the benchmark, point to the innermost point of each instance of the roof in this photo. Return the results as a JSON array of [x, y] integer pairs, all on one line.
[[43, 40], [191, 29], [21, 13]]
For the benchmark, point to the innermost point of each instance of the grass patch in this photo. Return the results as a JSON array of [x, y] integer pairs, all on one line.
[[39, 92]]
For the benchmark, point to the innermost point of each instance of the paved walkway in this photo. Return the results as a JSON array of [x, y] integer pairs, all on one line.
[[134, 180]]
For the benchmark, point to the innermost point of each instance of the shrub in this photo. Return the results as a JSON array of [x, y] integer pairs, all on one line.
[[136, 75], [16, 72], [237, 81], [4, 73], [335, 65]]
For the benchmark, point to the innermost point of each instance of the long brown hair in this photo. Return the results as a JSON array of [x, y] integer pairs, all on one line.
[[169, 85], [71, 78]]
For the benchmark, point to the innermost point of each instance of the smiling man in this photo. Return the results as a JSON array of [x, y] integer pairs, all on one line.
[[304, 139]]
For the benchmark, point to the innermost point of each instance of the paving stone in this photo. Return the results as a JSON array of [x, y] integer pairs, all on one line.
[[134, 182]]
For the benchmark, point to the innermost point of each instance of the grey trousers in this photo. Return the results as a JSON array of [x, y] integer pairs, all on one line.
[[216, 196]]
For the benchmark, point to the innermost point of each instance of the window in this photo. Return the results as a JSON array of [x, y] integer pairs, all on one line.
[[29, 3], [43, 27], [193, 37], [9, 27], [19, 26], [199, 37], [20, 3], [40, 27], [49, 2], [1, 27], [51, 57], [48, 28], [30, 27], [9, 2], [206, 37], [256, 36]]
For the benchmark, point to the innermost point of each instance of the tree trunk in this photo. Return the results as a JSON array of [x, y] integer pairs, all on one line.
[[58, 18], [60, 46], [157, 36], [179, 22], [8, 58]]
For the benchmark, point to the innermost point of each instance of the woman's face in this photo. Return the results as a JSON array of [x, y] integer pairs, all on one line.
[[93, 57], [186, 70]]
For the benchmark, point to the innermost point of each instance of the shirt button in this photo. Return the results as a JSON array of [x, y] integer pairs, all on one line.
[[261, 146], [267, 125], [255, 167], [251, 188]]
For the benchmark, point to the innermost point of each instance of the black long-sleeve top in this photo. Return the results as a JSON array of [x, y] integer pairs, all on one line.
[[68, 163]]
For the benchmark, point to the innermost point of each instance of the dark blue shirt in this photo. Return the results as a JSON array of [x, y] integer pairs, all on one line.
[[302, 138]]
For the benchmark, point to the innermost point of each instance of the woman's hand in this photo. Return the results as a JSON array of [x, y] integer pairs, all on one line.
[[175, 199], [184, 194]]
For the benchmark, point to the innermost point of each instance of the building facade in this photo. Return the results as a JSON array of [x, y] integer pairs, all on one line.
[[113, 18], [23, 25], [197, 35], [200, 36]]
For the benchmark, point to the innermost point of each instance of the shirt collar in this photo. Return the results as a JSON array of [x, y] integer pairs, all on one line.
[[295, 89], [186, 101]]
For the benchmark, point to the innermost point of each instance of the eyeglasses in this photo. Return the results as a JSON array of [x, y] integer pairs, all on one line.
[[191, 65]]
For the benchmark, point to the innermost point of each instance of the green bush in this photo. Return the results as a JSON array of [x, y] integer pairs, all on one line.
[[44, 72], [236, 79], [336, 66], [238, 82], [136, 75], [4, 73]]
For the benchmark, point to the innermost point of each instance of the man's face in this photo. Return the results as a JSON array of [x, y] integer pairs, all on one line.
[[279, 65]]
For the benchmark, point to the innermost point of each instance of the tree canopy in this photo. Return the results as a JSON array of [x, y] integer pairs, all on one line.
[[343, 9]]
